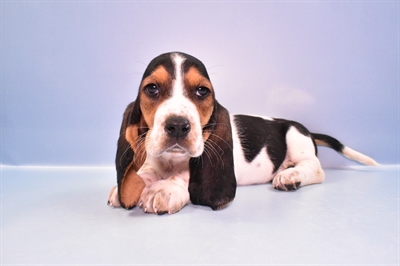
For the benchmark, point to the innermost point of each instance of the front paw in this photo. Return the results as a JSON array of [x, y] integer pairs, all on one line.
[[164, 196], [113, 198], [287, 180]]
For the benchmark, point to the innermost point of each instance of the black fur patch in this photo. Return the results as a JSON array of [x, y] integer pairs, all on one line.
[[165, 60], [256, 133], [330, 141], [302, 129], [192, 61]]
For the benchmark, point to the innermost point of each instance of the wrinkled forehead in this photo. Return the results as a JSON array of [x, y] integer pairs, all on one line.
[[170, 63]]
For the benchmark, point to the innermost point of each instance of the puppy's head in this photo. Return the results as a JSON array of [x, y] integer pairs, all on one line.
[[176, 99], [176, 116]]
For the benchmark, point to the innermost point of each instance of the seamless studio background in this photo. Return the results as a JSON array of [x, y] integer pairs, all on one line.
[[69, 69]]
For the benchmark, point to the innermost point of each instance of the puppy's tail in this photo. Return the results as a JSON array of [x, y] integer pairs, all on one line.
[[328, 141]]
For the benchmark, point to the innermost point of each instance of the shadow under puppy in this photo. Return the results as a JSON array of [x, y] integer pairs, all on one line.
[[178, 145]]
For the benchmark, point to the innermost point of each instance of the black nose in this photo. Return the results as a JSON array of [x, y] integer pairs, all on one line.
[[177, 127]]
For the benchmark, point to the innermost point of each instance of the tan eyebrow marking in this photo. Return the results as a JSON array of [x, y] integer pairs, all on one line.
[[192, 80], [149, 106]]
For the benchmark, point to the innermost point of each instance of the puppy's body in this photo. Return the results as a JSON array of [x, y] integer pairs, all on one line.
[[179, 145]]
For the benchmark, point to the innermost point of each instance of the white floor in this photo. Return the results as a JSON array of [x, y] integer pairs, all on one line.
[[60, 216]]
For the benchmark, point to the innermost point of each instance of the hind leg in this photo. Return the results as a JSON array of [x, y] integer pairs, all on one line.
[[301, 166]]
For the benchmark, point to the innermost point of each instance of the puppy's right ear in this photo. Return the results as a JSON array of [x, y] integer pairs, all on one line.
[[130, 156]]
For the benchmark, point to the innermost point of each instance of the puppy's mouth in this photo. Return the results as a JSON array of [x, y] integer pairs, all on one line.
[[176, 149], [179, 150]]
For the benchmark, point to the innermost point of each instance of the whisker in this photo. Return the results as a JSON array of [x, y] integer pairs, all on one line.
[[214, 145], [207, 153], [141, 147], [210, 149], [211, 146], [222, 140]]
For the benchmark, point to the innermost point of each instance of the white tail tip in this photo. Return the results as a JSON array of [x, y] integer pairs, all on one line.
[[359, 157]]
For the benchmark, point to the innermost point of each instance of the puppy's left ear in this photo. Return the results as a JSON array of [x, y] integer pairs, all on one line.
[[212, 175]]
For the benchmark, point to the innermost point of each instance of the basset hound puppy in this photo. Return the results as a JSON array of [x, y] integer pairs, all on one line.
[[178, 145]]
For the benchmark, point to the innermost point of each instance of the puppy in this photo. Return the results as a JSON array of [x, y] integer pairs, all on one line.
[[178, 145]]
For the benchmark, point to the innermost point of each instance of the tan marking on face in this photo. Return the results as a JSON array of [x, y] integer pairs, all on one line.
[[193, 79], [149, 105]]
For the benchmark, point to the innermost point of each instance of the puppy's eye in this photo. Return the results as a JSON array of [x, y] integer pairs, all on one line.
[[152, 90], [202, 92]]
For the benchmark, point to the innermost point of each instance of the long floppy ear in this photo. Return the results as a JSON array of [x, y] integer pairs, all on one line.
[[129, 157], [212, 175]]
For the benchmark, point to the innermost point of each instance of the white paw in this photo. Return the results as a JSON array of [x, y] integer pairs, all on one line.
[[164, 196], [286, 180], [113, 198]]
